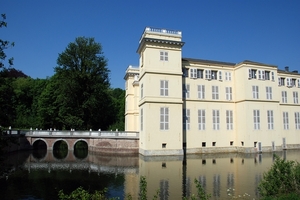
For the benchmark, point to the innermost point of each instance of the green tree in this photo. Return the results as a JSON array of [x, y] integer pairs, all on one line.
[[118, 96], [83, 97], [4, 44]]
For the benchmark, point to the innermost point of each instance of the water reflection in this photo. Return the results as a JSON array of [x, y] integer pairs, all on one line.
[[221, 175]]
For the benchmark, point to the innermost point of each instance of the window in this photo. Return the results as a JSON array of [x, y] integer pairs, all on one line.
[[298, 80], [201, 119], [164, 118], [215, 92], [201, 91], [220, 75], [164, 56], [193, 73], [227, 76], [267, 75], [228, 93], [261, 74], [142, 91], [273, 76], [186, 91], [297, 120], [207, 74], [256, 119], [214, 75], [270, 119], [269, 92], [142, 116], [295, 97], [285, 120], [281, 81], [186, 119], [185, 72], [252, 73], [199, 73], [293, 82], [164, 88], [216, 120], [229, 120], [284, 96], [255, 92], [289, 82]]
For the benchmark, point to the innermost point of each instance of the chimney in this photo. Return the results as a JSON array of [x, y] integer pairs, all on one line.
[[286, 68]]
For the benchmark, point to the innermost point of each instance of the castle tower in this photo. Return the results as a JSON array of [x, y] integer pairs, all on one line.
[[160, 95]]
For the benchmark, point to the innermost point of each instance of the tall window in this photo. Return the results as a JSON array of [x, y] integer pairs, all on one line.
[[142, 91], [201, 119], [201, 91], [297, 120], [199, 73], [252, 74], [261, 74], [229, 120], [281, 81], [208, 74], [193, 73], [164, 118], [220, 75], [256, 119], [214, 75], [186, 91], [164, 88], [215, 92], [186, 119], [270, 119], [255, 92], [295, 97], [216, 120], [142, 116], [227, 76], [228, 93], [284, 96], [285, 120], [269, 92], [164, 56]]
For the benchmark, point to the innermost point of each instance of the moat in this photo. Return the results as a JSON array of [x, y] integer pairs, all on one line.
[[41, 174]]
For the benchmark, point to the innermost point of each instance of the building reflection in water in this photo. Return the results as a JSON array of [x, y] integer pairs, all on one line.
[[221, 175]]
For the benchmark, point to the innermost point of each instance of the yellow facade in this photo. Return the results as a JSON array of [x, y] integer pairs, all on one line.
[[208, 106]]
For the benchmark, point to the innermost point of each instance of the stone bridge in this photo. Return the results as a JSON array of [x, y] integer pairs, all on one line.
[[97, 141]]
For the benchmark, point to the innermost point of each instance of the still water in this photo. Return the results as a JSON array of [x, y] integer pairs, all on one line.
[[40, 175]]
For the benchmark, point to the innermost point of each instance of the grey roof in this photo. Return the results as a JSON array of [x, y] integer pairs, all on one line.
[[256, 63], [207, 61]]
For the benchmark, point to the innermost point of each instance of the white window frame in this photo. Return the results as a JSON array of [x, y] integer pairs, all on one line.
[[220, 75], [228, 93], [269, 92], [164, 88], [255, 92], [297, 120], [273, 76], [164, 56], [288, 82], [200, 73], [229, 119], [142, 90], [215, 92], [193, 73], [295, 97], [252, 73], [227, 76], [201, 119], [186, 91], [201, 91], [142, 119], [256, 119], [186, 119], [270, 119], [216, 119], [285, 120], [284, 96], [298, 80], [164, 118], [208, 74], [261, 74]]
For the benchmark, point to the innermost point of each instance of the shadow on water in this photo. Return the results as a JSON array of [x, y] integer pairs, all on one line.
[[60, 150], [81, 150]]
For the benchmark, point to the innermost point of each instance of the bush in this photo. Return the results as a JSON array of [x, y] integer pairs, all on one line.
[[281, 181]]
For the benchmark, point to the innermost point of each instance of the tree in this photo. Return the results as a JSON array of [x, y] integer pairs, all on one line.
[[4, 44], [83, 98]]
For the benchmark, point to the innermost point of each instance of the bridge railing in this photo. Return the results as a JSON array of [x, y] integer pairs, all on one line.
[[101, 134]]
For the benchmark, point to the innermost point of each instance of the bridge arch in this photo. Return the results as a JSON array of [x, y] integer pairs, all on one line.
[[70, 147], [35, 144], [80, 151]]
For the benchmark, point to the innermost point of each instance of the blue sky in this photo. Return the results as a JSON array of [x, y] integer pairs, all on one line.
[[266, 31]]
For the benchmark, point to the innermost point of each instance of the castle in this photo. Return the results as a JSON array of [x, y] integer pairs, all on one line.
[[206, 106]]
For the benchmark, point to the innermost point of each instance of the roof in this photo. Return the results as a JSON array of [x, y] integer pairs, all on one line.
[[208, 61], [255, 63]]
